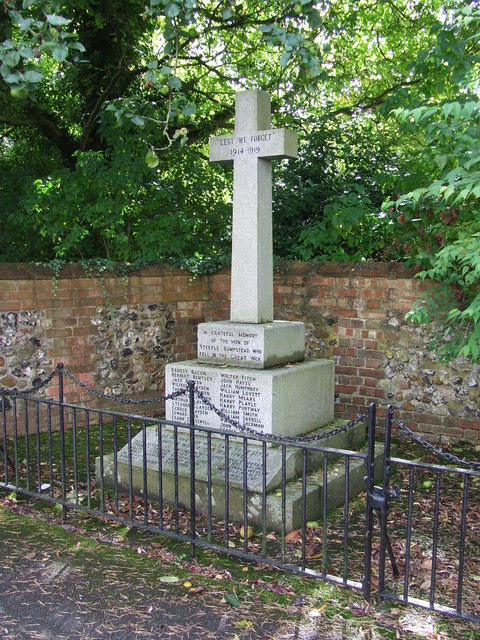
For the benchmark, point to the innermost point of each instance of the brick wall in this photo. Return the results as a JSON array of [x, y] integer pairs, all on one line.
[[117, 335]]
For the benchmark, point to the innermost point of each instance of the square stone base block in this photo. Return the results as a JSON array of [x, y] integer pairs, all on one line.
[[286, 401], [255, 346]]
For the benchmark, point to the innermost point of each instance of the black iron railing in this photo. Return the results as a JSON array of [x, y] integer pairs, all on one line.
[[434, 504], [258, 497]]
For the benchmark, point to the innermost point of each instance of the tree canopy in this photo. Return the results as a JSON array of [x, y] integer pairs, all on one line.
[[106, 109]]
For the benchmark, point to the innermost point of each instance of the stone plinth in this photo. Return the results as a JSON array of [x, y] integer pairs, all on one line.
[[211, 453], [291, 400], [253, 346], [212, 498]]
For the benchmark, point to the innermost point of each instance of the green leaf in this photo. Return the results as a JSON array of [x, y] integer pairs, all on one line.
[[57, 21], [172, 10], [60, 52], [232, 599], [151, 159], [189, 109], [448, 192], [286, 55], [12, 58], [174, 83], [441, 160], [315, 19], [33, 76], [14, 78], [24, 23], [243, 624], [169, 579], [77, 46], [27, 53], [463, 195]]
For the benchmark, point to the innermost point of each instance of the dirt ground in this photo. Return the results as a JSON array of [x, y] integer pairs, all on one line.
[[57, 583], [56, 586]]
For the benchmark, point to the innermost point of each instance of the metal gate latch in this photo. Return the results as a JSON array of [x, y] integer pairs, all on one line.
[[380, 499]]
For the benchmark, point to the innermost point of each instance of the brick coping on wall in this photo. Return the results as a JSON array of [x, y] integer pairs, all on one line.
[[34, 271]]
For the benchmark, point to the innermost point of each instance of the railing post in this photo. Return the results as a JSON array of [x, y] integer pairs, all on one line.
[[62, 439], [385, 488], [7, 461], [191, 402], [191, 398], [370, 482]]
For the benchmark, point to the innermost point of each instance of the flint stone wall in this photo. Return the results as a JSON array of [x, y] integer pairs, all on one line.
[[118, 336]]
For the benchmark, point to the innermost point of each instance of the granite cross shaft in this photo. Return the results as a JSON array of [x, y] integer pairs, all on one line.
[[251, 148]]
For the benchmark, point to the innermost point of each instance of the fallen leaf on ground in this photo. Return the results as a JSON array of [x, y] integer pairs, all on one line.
[[232, 599], [194, 590], [168, 579], [243, 624], [293, 536]]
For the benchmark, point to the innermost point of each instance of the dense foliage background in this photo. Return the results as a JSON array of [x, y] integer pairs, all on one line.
[[106, 109]]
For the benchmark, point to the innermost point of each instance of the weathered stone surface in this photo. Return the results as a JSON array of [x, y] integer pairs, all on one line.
[[24, 348], [254, 346], [213, 498], [418, 382], [289, 400], [209, 451]]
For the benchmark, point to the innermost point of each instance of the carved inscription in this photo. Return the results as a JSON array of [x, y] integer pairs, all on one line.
[[236, 457], [235, 345], [240, 146], [274, 143], [240, 396]]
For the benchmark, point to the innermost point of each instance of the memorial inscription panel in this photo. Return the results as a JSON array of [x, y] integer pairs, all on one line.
[[253, 346], [283, 400], [206, 454], [232, 343], [243, 397]]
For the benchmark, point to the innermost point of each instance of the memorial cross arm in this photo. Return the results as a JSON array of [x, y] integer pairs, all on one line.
[[272, 144]]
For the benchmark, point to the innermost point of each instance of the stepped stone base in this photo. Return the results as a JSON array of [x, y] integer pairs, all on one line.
[[238, 485], [290, 400]]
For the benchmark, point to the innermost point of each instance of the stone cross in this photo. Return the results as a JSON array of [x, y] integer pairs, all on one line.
[[251, 148]]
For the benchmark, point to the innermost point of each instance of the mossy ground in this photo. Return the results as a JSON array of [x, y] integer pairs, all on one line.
[[115, 583]]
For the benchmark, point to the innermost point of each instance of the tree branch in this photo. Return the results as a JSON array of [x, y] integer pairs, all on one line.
[[106, 93], [367, 102], [47, 126]]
